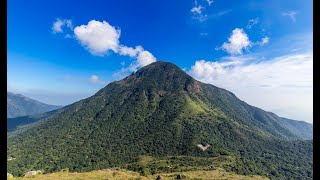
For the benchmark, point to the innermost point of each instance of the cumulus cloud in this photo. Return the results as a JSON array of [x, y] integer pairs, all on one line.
[[143, 58], [94, 79], [238, 41], [98, 37], [282, 83], [59, 23], [252, 22], [291, 14]]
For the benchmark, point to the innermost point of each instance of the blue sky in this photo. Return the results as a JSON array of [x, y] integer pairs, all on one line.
[[63, 51]]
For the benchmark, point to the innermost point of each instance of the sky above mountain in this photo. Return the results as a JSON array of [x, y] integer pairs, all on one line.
[[63, 51]]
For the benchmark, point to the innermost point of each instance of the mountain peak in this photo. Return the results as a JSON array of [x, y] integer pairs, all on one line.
[[161, 69], [162, 66], [162, 76]]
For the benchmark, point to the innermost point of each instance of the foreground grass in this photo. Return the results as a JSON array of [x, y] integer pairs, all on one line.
[[125, 174]]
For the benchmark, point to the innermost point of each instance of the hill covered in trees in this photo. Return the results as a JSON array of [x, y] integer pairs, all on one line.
[[162, 112]]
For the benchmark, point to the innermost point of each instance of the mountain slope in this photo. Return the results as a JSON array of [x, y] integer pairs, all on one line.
[[19, 105], [161, 111]]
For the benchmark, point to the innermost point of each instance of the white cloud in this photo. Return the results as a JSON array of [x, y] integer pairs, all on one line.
[[57, 26], [264, 40], [291, 14], [201, 17], [129, 51], [238, 41], [59, 23], [203, 34], [209, 2], [94, 79], [98, 37], [282, 84], [197, 9], [142, 56], [252, 22], [145, 58], [221, 13], [197, 12]]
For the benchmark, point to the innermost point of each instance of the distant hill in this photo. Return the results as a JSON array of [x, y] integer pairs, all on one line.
[[19, 105], [160, 111]]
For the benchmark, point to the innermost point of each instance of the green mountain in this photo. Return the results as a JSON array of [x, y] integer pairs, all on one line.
[[162, 112], [19, 105]]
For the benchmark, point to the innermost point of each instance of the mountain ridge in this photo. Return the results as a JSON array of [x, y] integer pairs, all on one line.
[[20, 105]]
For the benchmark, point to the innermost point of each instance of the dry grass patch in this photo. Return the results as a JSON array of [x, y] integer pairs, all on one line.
[[130, 175]]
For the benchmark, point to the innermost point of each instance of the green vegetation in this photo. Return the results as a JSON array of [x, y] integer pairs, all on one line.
[[157, 117], [147, 165], [120, 174]]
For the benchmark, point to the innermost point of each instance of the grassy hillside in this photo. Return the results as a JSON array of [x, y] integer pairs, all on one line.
[[121, 174]]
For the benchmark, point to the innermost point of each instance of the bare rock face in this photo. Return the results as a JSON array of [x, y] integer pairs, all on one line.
[[203, 148], [9, 175], [10, 159], [181, 176], [32, 173]]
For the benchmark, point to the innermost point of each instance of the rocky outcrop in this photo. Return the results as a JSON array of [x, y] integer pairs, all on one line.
[[203, 148], [9, 175], [32, 173], [181, 176], [10, 159]]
